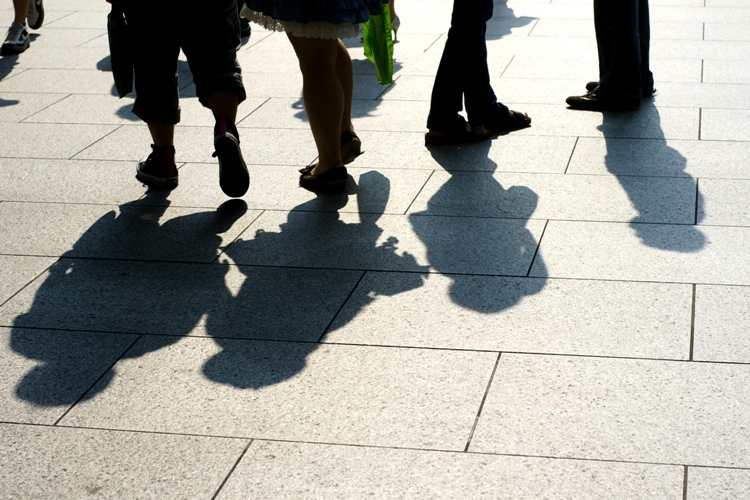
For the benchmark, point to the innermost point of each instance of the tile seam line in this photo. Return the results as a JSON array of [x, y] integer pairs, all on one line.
[[232, 469], [395, 271], [256, 439], [100, 139], [93, 384], [481, 404], [341, 308], [29, 282], [140, 336], [64, 97]]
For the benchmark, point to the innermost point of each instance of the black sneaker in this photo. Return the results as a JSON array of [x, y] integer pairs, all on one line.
[[35, 14], [233, 176], [158, 170]]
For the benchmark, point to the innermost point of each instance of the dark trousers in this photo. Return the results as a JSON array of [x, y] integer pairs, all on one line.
[[463, 74], [623, 35], [207, 31]]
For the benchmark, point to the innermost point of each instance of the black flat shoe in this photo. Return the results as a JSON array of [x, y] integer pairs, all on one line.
[[591, 102], [331, 181], [351, 146]]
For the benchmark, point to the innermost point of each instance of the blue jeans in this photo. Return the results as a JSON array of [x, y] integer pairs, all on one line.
[[623, 35], [463, 74]]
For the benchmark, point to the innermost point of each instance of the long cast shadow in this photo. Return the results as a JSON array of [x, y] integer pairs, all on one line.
[[636, 164], [474, 226], [326, 240], [94, 287]]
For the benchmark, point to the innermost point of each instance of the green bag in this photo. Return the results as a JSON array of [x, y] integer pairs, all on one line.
[[378, 43], [120, 50]]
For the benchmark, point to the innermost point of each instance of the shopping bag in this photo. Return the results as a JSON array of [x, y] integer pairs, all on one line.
[[120, 50], [378, 44]]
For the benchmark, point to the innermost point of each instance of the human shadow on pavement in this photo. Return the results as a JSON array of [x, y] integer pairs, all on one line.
[[316, 259], [130, 273], [637, 164], [504, 20], [473, 226]]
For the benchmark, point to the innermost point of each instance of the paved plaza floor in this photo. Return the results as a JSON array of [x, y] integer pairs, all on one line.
[[560, 312]]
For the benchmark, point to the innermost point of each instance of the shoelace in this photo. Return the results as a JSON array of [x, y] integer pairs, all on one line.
[[14, 32]]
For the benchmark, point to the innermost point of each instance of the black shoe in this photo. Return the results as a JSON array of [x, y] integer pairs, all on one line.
[[233, 176], [35, 14], [245, 28], [591, 102], [158, 170], [331, 181], [647, 94], [351, 146], [17, 39]]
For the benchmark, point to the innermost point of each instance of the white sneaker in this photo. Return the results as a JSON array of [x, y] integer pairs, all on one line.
[[35, 14], [17, 39]]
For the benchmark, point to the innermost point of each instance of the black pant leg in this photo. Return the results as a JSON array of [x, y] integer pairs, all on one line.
[[155, 52], [210, 37], [463, 72], [617, 26]]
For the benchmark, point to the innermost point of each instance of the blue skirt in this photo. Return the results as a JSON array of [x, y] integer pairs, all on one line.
[[330, 11]]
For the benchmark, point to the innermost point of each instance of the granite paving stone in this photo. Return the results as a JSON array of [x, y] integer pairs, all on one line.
[[724, 202], [141, 232], [277, 188], [60, 140], [725, 124], [558, 312], [45, 372], [722, 318], [195, 144], [618, 319], [52, 463], [659, 157], [645, 252], [389, 243], [62, 181], [670, 412], [707, 483], [217, 300], [555, 196], [294, 391], [293, 470], [61, 81], [16, 271], [14, 107]]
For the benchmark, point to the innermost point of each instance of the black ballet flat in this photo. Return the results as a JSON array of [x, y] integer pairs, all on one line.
[[331, 181], [351, 146]]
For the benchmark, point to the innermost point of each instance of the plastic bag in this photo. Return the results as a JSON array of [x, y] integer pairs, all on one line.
[[378, 43]]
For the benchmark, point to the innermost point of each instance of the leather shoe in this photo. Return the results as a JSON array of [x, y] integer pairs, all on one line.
[[591, 102], [591, 86]]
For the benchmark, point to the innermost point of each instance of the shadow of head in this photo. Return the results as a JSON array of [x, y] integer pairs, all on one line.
[[252, 365]]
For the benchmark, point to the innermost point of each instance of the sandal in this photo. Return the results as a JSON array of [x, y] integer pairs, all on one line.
[[462, 133], [505, 119], [332, 180], [351, 146]]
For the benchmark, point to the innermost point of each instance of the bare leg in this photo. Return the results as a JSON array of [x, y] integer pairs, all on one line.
[[324, 97], [20, 7], [344, 71], [393, 9], [162, 135], [224, 103]]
